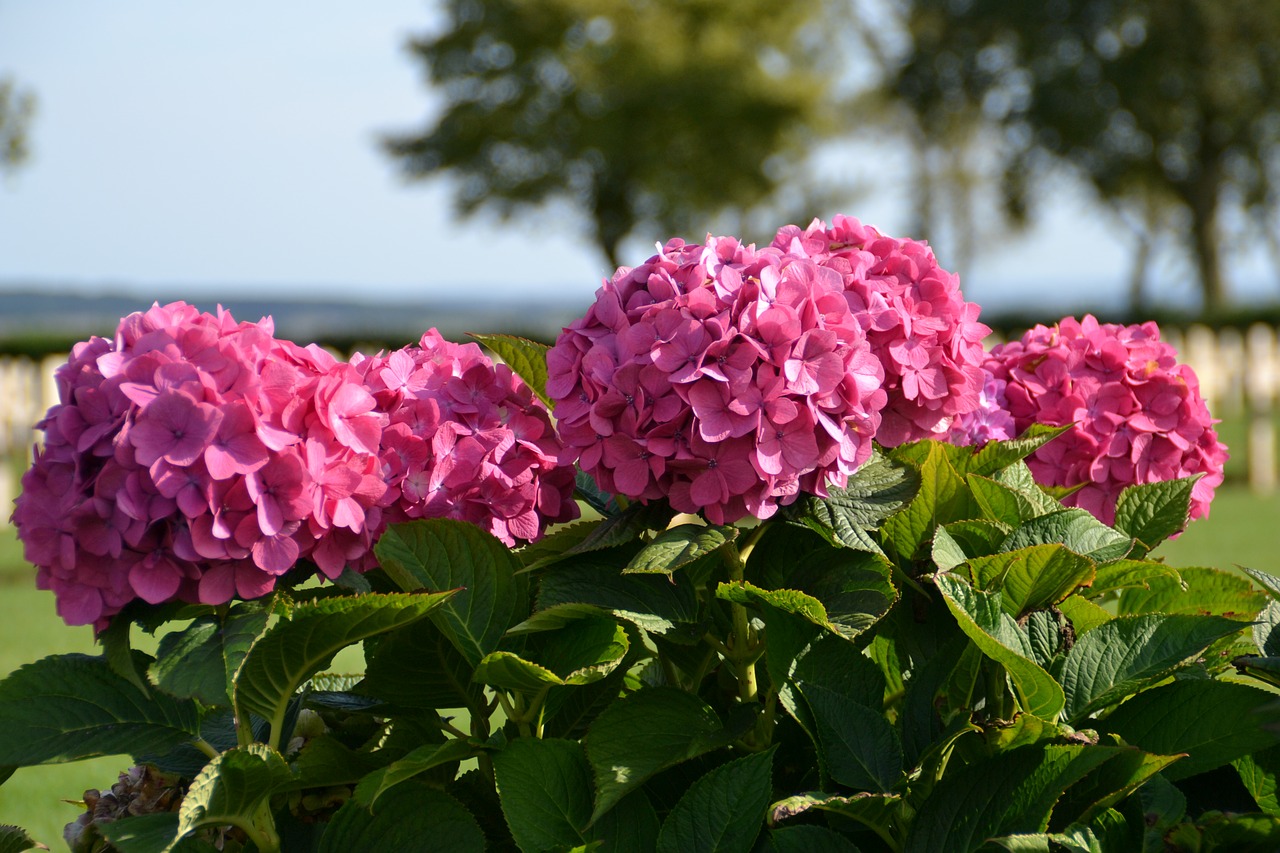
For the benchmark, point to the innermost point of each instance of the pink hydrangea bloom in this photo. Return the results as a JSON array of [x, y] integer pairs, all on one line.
[[1137, 415], [723, 377], [925, 335], [197, 458], [467, 440], [991, 421]]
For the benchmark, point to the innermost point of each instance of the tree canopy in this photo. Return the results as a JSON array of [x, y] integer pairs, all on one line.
[[661, 112], [1167, 107], [16, 108]]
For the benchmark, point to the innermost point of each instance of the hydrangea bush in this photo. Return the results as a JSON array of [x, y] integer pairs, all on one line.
[[847, 582]]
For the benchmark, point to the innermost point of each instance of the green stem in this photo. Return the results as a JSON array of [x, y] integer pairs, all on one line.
[[244, 728], [741, 645], [751, 539], [449, 727], [262, 830], [205, 747]]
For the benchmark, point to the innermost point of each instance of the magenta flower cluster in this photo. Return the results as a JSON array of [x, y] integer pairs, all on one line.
[[1137, 415], [196, 458], [991, 421], [725, 378], [925, 335], [467, 440]]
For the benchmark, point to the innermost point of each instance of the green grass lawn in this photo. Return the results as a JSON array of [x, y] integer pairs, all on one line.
[[1242, 529]]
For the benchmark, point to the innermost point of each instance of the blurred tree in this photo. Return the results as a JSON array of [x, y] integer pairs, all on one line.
[[16, 109], [1169, 108], [653, 112]]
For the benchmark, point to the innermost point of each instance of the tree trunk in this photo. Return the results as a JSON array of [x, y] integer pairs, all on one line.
[[1204, 235], [1138, 274]]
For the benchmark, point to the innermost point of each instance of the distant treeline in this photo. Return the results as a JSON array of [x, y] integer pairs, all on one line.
[[38, 343]]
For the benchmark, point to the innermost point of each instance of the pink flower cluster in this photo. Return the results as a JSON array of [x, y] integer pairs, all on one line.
[[467, 440], [991, 421], [925, 335], [1137, 414], [723, 377], [199, 459]]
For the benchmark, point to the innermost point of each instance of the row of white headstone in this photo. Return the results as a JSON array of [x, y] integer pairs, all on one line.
[[1239, 375]]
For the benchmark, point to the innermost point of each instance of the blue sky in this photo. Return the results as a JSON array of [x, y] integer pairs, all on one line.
[[232, 147]]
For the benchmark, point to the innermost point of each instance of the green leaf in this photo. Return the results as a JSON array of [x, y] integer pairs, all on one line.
[[982, 617], [678, 546], [1127, 574], [1000, 503], [1122, 774], [586, 488], [556, 545], [809, 838], [785, 600], [1268, 582], [200, 661], [296, 648], [585, 650], [942, 490], [1130, 653], [651, 602], [996, 455], [419, 667], [119, 653], [232, 788], [1260, 772], [841, 667], [419, 761], [1214, 722], [1265, 669], [1044, 630], [946, 551], [1032, 578], [69, 707], [1074, 528], [976, 537], [724, 809], [150, 833], [624, 528], [1239, 833], [1266, 629], [1011, 793], [847, 516], [860, 748], [856, 588], [646, 732], [918, 719], [410, 818], [1083, 614], [546, 791], [527, 359], [508, 671], [442, 554], [882, 813], [630, 827], [326, 762], [1198, 591], [14, 839], [1019, 477], [1152, 512]]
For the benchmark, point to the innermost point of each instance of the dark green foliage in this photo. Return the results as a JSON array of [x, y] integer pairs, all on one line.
[[938, 658]]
